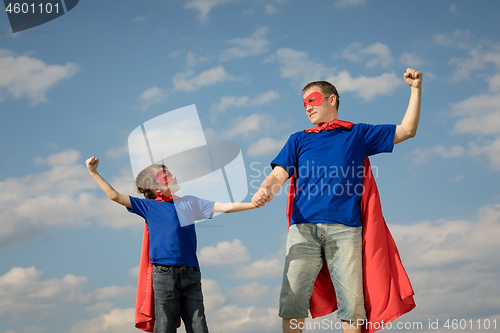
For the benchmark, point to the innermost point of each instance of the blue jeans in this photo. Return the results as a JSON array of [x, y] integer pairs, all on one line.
[[307, 245], [177, 294]]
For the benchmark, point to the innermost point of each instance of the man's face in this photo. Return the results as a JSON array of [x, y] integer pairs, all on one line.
[[322, 112]]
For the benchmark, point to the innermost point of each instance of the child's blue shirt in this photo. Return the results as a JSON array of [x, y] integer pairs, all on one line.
[[169, 242]]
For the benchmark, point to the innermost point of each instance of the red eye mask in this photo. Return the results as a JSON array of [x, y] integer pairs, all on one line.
[[314, 99], [163, 177]]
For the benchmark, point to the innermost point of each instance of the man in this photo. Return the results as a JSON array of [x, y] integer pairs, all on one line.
[[326, 161]]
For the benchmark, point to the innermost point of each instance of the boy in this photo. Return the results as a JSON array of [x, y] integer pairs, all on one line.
[[176, 272]]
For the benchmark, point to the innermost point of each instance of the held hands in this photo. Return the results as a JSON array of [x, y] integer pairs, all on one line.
[[413, 78], [92, 164], [261, 197]]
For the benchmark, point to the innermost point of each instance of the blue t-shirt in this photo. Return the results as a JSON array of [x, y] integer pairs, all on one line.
[[169, 242], [328, 168]]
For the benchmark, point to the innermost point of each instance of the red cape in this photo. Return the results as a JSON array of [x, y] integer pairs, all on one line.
[[387, 289], [144, 303]]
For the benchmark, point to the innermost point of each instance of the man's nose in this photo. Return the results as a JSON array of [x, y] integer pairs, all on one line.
[[309, 108]]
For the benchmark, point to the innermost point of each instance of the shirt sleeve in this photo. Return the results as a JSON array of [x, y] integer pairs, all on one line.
[[287, 157], [138, 206], [202, 209], [379, 138]]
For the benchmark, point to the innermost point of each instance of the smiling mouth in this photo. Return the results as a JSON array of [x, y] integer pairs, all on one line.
[[311, 114]]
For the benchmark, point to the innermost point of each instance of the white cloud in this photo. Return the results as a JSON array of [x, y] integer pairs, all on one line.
[[224, 253], [270, 9], [265, 146], [117, 152], [299, 69], [490, 149], [481, 55], [225, 317], [22, 291], [376, 55], [296, 66], [250, 293], [453, 265], [221, 316], [480, 115], [192, 59], [134, 272], [30, 329], [152, 96], [366, 87], [229, 102], [264, 98], [466, 66], [61, 197], [143, 18], [246, 126], [174, 54], [116, 321], [411, 60], [212, 295], [265, 268], [453, 8], [349, 3], [26, 77], [494, 83], [458, 38], [205, 6], [187, 82], [232, 318], [102, 307], [424, 155], [271, 6], [246, 47]]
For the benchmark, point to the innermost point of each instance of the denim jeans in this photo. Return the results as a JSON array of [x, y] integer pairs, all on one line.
[[308, 244], [177, 294]]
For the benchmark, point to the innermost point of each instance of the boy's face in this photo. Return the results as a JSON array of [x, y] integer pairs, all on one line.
[[166, 183]]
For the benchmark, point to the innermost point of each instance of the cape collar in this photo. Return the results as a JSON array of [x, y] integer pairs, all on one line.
[[166, 198], [330, 126]]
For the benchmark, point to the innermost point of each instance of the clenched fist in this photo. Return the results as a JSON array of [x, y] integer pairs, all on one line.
[[413, 78]]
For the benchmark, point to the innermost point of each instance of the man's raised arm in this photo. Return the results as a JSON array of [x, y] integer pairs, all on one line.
[[270, 186], [409, 124]]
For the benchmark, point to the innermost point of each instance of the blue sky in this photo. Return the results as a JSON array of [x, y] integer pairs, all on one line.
[[77, 86]]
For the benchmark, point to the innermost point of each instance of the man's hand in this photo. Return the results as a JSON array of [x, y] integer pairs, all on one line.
[[92, 164], [413, 78], [262, 197], [409, 124]]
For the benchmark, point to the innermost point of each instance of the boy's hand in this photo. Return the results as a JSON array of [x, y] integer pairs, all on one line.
[[92, 164]]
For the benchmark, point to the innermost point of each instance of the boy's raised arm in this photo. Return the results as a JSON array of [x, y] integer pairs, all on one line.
[[122, 199], [231, 207]]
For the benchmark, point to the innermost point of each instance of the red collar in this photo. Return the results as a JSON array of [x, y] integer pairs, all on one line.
[[330, 126], [166, 198]]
